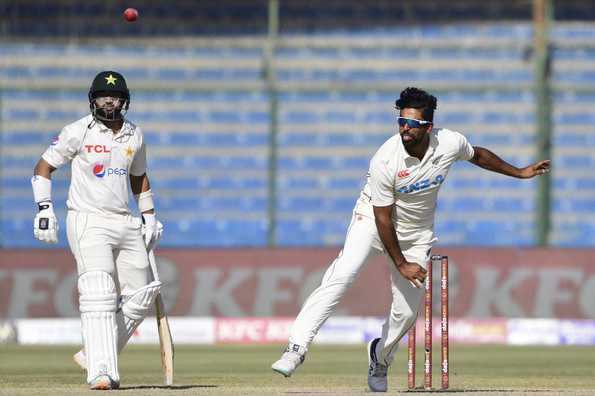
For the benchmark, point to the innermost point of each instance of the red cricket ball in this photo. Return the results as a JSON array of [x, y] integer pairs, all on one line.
[[130, 14]]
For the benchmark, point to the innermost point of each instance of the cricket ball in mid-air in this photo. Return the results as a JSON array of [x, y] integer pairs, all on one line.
[[130, 14]]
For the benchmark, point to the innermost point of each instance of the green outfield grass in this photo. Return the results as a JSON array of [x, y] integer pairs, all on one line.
[[340, 370]]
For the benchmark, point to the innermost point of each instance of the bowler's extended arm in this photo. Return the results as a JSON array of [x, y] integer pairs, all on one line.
[[486, 159]]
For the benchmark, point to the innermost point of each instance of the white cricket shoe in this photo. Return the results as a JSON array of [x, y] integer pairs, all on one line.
[[103, 382], [80, 359], [293, 356], [376, 371]]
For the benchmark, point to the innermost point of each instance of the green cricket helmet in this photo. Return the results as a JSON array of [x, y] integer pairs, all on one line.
[[109, 84]]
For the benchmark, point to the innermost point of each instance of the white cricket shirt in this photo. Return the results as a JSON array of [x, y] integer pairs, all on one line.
[[101, 164], [395, 177]]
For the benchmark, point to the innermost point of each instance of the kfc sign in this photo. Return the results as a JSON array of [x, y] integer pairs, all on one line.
[[484, 283]]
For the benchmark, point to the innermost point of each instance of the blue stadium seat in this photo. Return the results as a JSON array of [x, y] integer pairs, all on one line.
[[340, 139], [162, 163], [65, 116], [585, 183], [304, 96], [490, 140], [231, 117], [176, 121], [16, 72], [512, 205], [10, 204], [172, 74], [339, 117], [216, 233], [61, 72], [571, 140], [185, 139], [245, 163], [257, 182], [298, 139], [341, 205], [460, 183], [24, 137], [583, 205], [576, 161], [360, 163], [454, 117], [300, 204], [380, 117], [178, 203], [176, 183], [445, 228], [574, 118], [258, 117], [222, 182], [346, 183], [23, 114], [295, 117], [18, 233], [295, 233], [16, 182], [234, 139], [465, 204], [318, 163], [180, 234], [289, 163], [502, 183], [299, 182], [204, 163], [180, 116]]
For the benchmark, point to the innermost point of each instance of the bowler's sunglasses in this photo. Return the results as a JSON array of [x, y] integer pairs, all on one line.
[[412, 122]]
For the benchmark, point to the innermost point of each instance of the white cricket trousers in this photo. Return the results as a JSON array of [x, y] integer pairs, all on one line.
[[110, 243], [361, 243]]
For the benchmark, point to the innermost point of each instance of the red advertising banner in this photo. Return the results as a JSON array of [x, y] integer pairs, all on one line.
[[484, 282]]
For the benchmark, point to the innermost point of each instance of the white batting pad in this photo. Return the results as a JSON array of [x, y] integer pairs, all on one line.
[[133, 310], [98, 303]]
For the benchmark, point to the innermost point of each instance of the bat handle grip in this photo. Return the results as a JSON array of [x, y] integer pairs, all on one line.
[[153, 265]]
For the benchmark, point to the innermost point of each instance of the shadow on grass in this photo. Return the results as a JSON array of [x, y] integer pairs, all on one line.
[[511, 391], [171, 387], [452, 390]]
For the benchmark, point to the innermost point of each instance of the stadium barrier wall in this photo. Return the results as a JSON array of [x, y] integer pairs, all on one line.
[[337, 330], [238, 283]]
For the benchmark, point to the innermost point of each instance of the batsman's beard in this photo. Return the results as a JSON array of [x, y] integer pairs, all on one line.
[[108, 113]]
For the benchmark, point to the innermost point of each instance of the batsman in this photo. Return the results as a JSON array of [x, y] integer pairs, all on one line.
[[108, 160], [395, 216]]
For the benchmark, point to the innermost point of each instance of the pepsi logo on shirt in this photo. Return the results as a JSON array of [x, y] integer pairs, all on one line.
[[99, 170]]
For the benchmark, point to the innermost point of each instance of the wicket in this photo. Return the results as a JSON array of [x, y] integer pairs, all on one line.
[[443, 260]]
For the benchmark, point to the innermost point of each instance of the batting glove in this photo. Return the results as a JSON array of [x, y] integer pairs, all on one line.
[[45, 225], [152, 230]]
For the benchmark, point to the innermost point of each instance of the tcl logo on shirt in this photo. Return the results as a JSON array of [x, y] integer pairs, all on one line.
[[97, 148], [403, 173], [100, 171]]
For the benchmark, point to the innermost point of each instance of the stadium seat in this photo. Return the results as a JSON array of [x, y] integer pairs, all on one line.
[[208, 147]]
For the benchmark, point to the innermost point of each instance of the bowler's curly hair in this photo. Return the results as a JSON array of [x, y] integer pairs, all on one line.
[[415, 98]]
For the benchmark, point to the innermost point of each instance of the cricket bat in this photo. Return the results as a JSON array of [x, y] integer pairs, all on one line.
[[165, 340]]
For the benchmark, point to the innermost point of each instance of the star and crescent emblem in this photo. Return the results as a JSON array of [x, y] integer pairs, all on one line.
[[111, 80], [129, 151]]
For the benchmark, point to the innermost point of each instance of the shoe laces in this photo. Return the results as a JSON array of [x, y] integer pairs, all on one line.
[[293, 357], [295, 353], [378, 370]]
